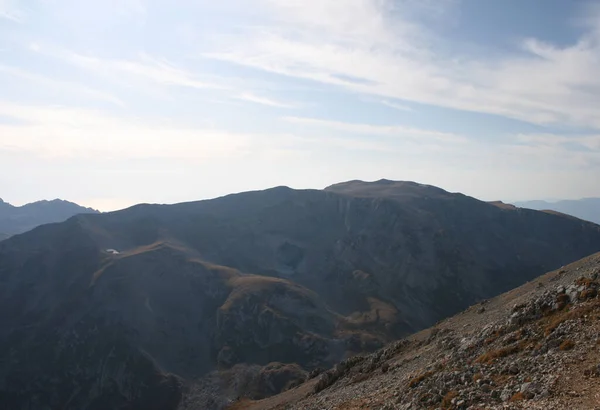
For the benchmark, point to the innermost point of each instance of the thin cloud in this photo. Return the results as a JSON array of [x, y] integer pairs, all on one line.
[[262, 100], [366, 129], [145, 67], [62, 86], [549, 84], [9, 11], [591, 143], [395, 106], [63, 132], [11, 16]]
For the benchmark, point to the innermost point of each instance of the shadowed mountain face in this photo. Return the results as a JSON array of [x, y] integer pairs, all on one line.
[[125, 309], [587, 209], [19, 219]]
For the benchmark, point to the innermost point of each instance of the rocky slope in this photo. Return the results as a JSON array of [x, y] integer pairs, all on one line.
[[537, 347], [192, 305], [19, 219]]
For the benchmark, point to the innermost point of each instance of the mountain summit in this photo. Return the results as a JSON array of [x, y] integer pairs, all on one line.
[[194, 304]]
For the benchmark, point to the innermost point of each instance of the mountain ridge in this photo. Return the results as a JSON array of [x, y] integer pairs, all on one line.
[[18, 219], [585, 208], [232, 285]]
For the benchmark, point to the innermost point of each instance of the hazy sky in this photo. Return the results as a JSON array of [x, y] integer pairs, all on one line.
[[113, 102]]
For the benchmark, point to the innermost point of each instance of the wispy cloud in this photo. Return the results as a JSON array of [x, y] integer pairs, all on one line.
[[10, 11], [396, 106], [342, 65], [568, 142], [370, 129], [253, 98], [61, 86], [369, 40], [57, 132], [144, 67], [61, 132]]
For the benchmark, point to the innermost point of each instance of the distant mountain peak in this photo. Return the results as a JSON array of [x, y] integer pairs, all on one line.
[[382, 181], [385, 188], [19, 219], [586, 208]]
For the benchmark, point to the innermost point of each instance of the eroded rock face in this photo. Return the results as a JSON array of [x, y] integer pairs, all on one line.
[[304, 277]]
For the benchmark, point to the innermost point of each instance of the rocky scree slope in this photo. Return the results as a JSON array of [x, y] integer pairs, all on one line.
[[192, 305], [537, 347]]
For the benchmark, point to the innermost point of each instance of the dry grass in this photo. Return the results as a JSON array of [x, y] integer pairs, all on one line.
[[447, 400], [562, 301], [570, 315], [587, 282], [495, 336], [242, 287], [514, 337], [241, 404], [567, 345], [492, 355], [517, 397], [589, 294], [477, 376], [414, 382], [500, 379]]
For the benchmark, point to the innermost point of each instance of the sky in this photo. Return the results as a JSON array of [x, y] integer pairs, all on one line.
[[109, 103]]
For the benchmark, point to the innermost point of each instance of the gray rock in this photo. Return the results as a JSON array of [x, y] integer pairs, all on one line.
[[529, 390], [506, 395]]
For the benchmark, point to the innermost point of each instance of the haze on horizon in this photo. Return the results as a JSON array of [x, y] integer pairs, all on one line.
[[112, 103]]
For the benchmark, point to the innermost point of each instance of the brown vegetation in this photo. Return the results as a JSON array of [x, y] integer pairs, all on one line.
[[447, 400], [489, 357], [414, 382], [517, 397], [241, 404], [562, 301], [570, 315], [583, 281], [567, 345], [589, 293]]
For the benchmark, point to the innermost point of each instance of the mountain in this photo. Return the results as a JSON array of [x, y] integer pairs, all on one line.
[[535, 347], [191, 305], [587, 209], [19, 219]]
